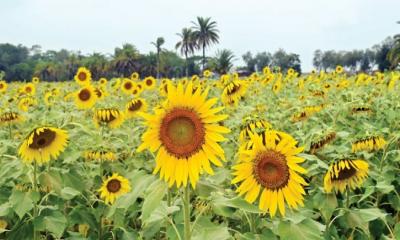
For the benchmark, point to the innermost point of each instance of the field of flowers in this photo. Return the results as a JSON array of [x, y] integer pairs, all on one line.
[[270, 156]]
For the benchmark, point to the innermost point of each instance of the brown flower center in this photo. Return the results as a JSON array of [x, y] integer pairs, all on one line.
[[271, 170], [233, 90], [98, 92], [149, 82], [43, 139], [1, 86], [136, 105], [82, 76], [28, 89], [345, 173], [84, 95], [114, 185], [182, 132], [128, 85]]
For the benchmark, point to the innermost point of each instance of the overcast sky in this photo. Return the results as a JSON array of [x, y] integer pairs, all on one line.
[[299, 26]]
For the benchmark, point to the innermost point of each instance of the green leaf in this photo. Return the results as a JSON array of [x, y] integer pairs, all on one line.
[[307, 229], [397, 231], [370, 214], [69, 193], [5, 209], [52, 221], [21, 202], [153, 198], [205, 229]]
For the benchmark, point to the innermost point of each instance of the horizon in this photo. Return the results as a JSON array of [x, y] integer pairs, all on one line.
[[97, 27]]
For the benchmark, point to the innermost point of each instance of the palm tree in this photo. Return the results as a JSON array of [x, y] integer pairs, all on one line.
[[205, 33], [187, 45], [223, 61], [159, 42], [126, 60]]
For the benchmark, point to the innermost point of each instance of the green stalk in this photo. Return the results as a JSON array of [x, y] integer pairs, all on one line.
[[186, 210], [35, 207], [347, 197], [10, 130]]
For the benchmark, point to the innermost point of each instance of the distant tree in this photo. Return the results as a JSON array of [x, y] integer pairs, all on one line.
[[286, 60], [394, 53], [317, 59], [205, 33], [187, 45], [158, 43], [125, 60], [258, 62], [222, 62]]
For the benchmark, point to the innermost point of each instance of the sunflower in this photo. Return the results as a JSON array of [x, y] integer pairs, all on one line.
[[233, 92], [48, 98], [100, 155], [270, 171], [136, 91], [86, 97], [103, 81], [345, 173], [35, 80], [368, 144], [149, 82], [127, 86], [100, 93], [25, 103], [3, 86], [252, 124], [83, 76], [29, 89], [163, 90], [266, 70], [316, 145], [10, 118], [291, 72], [42, 144], [339, 69], [277, 86], [135, 106], [114, 187], [110, 117], [135, 76], [207, 74], [185, 131]]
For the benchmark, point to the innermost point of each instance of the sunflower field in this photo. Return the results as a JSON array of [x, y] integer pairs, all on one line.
[[275, 155]]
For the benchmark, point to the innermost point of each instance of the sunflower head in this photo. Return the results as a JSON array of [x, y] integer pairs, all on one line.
[[344, 174], [86, 97], [149, 82], [339, 69], [269, 172], [103, 81], [127, 86], [368, 144], [135, 106], [83, 76], [102, 155], [185, 132], [10, 118], [35, 80], [251, 124], [3, 86], [207, 73], [135, 76], [25, 103], [42, 144], [234, 92], [114, 187], [29, 89], [110, 117]]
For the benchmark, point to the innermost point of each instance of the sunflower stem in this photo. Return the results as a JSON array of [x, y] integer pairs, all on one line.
[[347, 197], [35, 207], [186, 209]]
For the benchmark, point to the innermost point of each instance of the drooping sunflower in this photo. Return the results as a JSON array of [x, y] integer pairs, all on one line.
[[135, 106], [110, 117], [100, 93], [252, 124], [149, 82], [186, 133], [345, 173], [83, 76], [100, 155], [10, 118], [29, 89], [127, 86], [114, 187], [368, 144], [322, 141], [86, 97], [233, 92], [269, 172], [25, 103], [43, 144], [3, 86], [35, 80]]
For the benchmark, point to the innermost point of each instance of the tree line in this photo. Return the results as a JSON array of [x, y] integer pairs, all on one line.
[[18, 62]]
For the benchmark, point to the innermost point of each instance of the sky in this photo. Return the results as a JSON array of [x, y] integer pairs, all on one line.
[[298, 26]]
